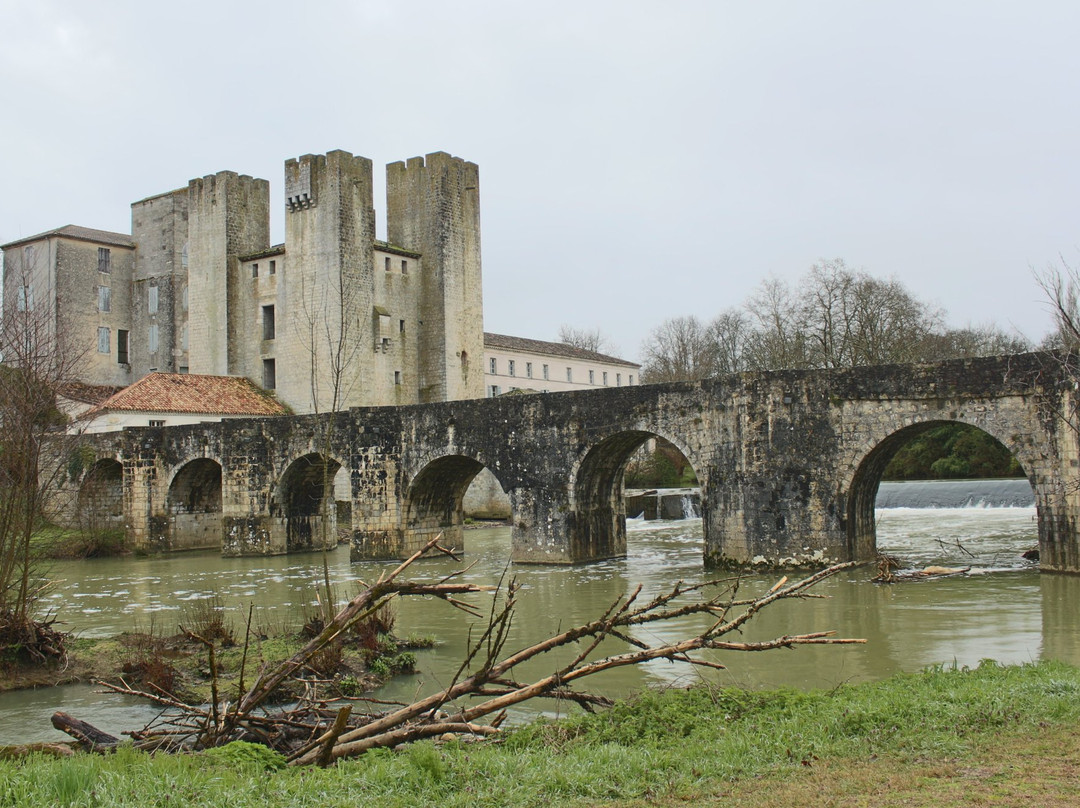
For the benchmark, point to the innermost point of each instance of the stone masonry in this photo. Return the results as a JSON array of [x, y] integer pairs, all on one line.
[[789, 463]]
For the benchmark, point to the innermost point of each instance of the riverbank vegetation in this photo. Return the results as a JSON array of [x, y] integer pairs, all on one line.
[[945, 737]]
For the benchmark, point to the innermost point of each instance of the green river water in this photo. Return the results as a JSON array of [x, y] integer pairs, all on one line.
[[1005, 610]]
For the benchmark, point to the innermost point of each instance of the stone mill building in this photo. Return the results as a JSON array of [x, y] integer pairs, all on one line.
[[330, 319]]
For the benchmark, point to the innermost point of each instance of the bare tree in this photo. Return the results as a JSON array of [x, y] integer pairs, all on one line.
[[1061, 285], [37, 362], [584, 338], [329, 330], [779, 339], [678, 349], [731, 334]]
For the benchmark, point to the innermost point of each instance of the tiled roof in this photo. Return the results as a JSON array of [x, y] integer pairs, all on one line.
[[505, 343], [80, 233], [88, 393], [203, 395]]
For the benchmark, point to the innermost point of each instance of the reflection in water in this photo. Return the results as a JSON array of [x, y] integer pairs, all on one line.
[[1007, 611]]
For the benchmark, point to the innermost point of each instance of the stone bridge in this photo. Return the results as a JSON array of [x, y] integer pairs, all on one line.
[[788, 462]]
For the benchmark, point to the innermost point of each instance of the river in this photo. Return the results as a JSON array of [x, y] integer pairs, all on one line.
[[1004, 610]]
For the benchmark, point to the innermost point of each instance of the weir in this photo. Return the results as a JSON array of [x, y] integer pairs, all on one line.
[[789, 464]]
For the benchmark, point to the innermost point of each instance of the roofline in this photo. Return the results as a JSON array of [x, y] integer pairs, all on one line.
[[55, 233], [596, 357], [277, 249], [159, 196], [386, 246]]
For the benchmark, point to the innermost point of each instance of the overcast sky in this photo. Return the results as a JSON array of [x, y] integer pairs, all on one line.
[[638, 160]]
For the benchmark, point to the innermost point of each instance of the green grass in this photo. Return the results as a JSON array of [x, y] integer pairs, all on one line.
[[659, 748]]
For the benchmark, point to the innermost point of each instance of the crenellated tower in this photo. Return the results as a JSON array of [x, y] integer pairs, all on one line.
[[433, 207], [325, 334]]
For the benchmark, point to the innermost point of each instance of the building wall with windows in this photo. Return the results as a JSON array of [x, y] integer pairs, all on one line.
[[516, 363], [72, 285], [200, 289]]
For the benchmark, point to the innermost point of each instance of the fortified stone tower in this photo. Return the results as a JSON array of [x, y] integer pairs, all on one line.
[[328, 305], [433, 207], [228, 216]]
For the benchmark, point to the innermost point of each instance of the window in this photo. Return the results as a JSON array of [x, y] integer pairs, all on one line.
[[254, 270], [273, 267], [104, 293], [268, 322], [104, 260], [618, 380], [151, 300], [631, 379], [386, 263], [183, 337], [528, 370], [157, 423], [494, 368], [152, 339], [605, 378], [26, 298], [397, 377], [510, 367], [182, 370], [269, 374], [592, 377], [28, 256], [183, 297], [121, 347], [103, 340], [545, 373], [404, 267], [569, 374], [401, 326], [493, 391]]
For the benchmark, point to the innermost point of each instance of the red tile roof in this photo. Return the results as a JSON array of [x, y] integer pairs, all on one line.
[[203, 395]]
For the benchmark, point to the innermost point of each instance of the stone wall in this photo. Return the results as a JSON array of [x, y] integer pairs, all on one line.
[[433, 207], [788, 462]]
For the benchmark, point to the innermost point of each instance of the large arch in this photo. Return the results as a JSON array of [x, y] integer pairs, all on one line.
[[100, 502], [598, 512], [304, 500], [434, 501], [863, 487], [193, 504]]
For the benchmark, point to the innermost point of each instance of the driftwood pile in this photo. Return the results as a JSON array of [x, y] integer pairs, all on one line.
[[474, 703]]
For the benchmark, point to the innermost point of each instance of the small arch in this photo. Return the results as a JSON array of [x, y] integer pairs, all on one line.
[[863, 489], [598, 528], [100, 502], [434, 501], [196, 488], [305, 500], [193, 504]]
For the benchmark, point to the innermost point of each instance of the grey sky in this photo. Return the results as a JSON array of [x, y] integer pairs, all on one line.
[[637, 160]]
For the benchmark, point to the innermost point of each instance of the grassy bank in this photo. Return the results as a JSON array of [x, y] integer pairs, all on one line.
[[986, 736]]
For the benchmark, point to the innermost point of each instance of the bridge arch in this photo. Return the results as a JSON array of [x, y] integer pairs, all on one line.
[[303, 500], [193, 505], [865, 479], [598, 503], [434, 500], [100, 501]]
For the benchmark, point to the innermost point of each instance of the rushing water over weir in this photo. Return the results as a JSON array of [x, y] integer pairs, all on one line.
[[1004, 610]]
